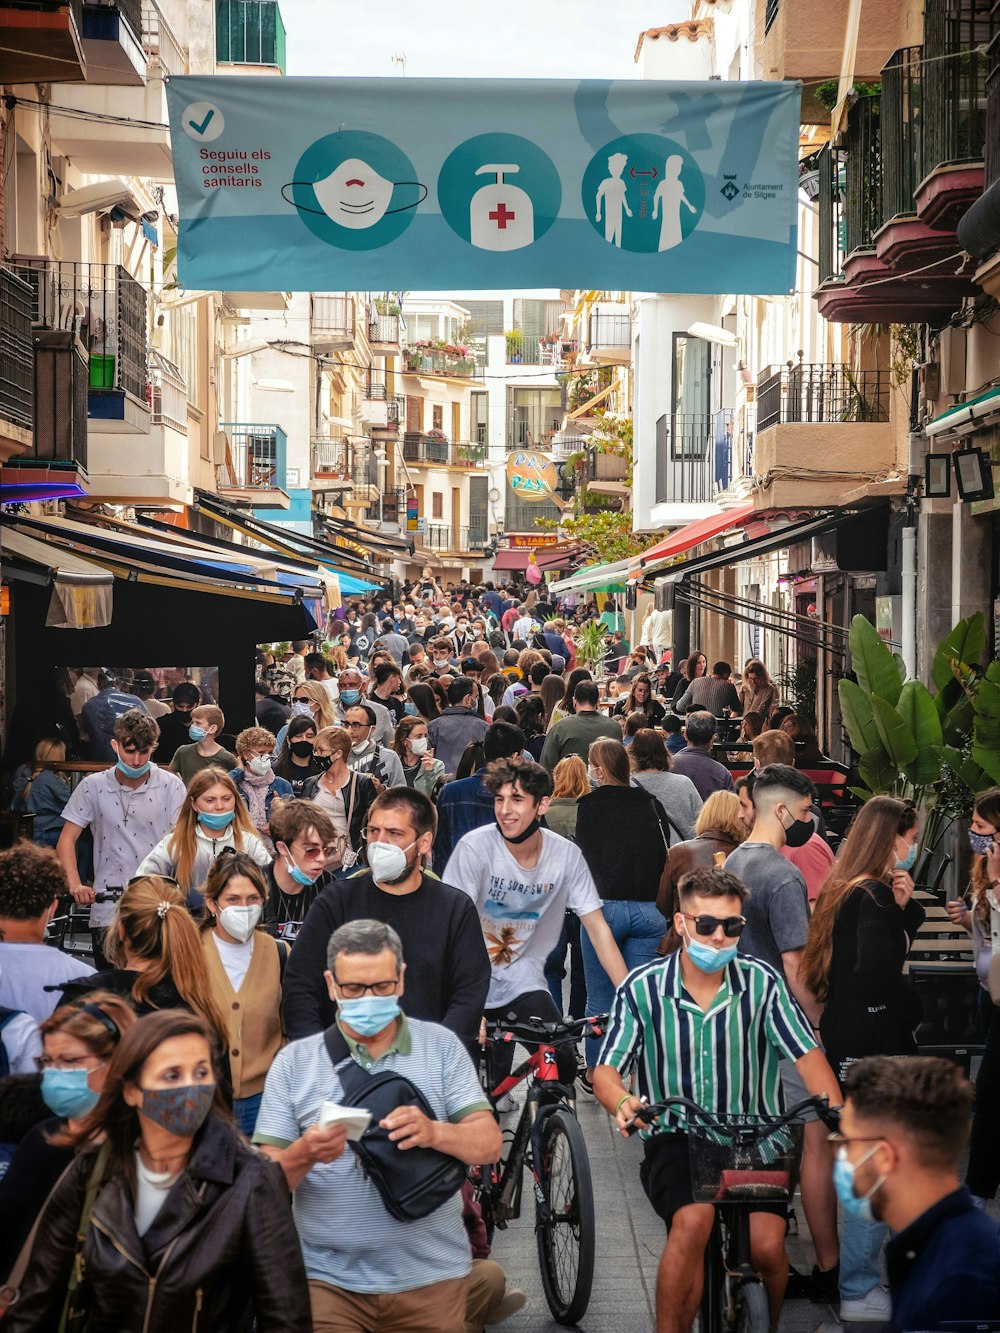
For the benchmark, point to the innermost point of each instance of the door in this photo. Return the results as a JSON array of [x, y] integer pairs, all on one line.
[[456, 542], [414, 414], [456, 422]]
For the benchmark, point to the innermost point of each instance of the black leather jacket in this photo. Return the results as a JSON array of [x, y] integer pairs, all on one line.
[[223, 1236]]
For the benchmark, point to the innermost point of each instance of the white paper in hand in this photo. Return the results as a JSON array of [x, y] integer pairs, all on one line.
[[354, 1118]]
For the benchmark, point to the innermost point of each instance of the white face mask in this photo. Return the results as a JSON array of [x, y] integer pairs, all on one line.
[[386, 861], [260, 765], [240, 922], [360, 747], [420, 746], [441, 662], [354, 194]]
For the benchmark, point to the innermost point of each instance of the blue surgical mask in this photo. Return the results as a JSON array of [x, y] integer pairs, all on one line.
[[980, 842], [350, 696], [67, 1093], [369, 1014], [131, 772], [298, 875], [197, 733], [410, 708], [909, 860], [706, 957], [300, 708], [216, 821], [843, 1183]]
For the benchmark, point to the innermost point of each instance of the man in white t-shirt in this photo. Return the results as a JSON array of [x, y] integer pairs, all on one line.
[[523, 879], [31, 882]]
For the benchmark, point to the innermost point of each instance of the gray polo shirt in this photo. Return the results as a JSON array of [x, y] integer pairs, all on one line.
[[777, 910]]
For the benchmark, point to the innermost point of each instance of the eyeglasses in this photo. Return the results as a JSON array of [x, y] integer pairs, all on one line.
[[842, 1140], [733, 926], [358, 726], [353, 990]]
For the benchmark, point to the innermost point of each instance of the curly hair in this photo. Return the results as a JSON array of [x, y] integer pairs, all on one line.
[[136, 730], [530, 778], [31, 878], [254, 738]]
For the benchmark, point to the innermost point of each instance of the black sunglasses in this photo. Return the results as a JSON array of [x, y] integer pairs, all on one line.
[[733, 926]]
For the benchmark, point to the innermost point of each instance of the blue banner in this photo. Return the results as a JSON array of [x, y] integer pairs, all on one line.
[[416, 184]]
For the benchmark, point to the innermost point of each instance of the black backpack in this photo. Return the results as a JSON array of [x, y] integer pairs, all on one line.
[[411, 1184]]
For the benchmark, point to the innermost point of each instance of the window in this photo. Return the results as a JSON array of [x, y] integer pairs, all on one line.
[[182, 348], [437, 504], [414, 413], [479, 428], [691, 427], [437, 416]]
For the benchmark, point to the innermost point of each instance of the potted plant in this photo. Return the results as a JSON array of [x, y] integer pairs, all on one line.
[[590, 647], [515, 345]]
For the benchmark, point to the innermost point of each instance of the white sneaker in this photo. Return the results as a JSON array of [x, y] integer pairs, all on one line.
[[506, 1104], [874, 1308]]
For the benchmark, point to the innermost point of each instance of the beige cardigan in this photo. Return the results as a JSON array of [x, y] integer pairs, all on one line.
[[253, 1012]]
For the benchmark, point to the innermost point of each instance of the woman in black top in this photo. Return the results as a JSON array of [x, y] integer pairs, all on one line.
[[623, 834], [296, 763], [640, 700]]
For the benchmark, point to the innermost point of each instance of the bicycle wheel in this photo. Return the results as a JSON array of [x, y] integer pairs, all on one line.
[[752, 1313], [566, 1235]]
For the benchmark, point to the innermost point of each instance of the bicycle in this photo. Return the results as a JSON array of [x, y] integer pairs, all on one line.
[[70, 929], [549, 1141], [737, 1160]]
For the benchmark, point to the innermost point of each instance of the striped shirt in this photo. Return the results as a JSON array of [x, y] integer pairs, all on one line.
[[348, 1237], [727, 1059]]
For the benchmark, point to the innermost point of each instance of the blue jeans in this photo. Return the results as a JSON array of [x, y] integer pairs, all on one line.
[[555, 969], [245, 1111], [860, 1244], [637, 928]]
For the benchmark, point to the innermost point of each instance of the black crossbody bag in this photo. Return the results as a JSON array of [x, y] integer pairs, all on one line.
[[411, 1184]]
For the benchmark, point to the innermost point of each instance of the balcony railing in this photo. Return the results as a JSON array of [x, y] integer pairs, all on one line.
[[694, 456], [863, 147], [954, 80], [160, 43], [105, 306], [771, 10], [610, 330], [375, 386], [396, 409], [167, 393], [17, 368], [255, 457], [605, 467], [434, 361], [249, 32], [902, 131], [431, 452], [832, 170], [522, 515], [131, 11], [333, 317], [390, 507], [818, 393], [992, 172], [444, 537], [384, 328]]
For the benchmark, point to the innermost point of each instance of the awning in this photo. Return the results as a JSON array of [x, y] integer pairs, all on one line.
[[595, 578], [684, 539], [82, 592], [968, 414], [547, 559]]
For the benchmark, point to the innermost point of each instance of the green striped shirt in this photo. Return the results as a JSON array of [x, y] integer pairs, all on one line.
[[727, 1059]]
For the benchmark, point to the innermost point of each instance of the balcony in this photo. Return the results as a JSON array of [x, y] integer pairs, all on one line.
[[107, 309], [158, 472], [253, 471], [334, 322], [444, 537], [979, 229], [340, 465], [388, 509], [385, 332], [814, 418], [694, 464], [430, 451], [112, 130], [17, 365], [164, 53], [112, 43], [42, 42], [609, 335], [426, 359], [250, 33]]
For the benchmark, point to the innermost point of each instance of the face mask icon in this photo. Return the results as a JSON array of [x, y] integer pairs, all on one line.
[[355, 195], [501, 216]]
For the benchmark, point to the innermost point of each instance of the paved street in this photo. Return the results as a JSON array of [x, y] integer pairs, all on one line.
[[629, 1242]]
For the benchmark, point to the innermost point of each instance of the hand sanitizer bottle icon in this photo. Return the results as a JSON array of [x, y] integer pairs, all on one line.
[[501, 216]]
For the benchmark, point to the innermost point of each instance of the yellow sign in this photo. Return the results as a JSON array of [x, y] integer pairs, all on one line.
[[531, 475]]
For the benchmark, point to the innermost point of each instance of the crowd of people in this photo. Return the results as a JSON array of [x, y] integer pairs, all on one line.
[[440, 816]]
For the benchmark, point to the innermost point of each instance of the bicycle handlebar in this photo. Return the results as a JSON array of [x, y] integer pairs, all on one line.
[[542, 1030], [830, 1115]]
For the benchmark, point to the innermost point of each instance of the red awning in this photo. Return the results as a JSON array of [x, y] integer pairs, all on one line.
[[693, 534], [547, 559]]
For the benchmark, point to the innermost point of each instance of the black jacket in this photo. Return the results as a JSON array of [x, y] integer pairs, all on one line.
[[623, 833], [365, 793], [447, 968], [224, 1236]]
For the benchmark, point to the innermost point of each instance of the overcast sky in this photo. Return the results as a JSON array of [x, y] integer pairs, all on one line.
[[568, 39]]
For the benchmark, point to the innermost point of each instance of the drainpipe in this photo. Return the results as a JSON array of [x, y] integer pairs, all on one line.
[[908, 562]]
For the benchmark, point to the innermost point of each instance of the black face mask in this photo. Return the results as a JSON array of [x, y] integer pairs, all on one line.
[[301, 749], [529, 832], [322, 761], [799, 832]]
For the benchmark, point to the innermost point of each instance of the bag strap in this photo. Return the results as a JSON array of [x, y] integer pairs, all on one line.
[[352, 1078], [350, 810]]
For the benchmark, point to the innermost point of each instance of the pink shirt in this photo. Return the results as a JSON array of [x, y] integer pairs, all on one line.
[[813, 860]]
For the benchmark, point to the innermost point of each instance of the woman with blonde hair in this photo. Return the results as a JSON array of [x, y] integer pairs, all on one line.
[[40, 792], [212, 818], [570, 783], [719, 830], [155, 953], [310, 698], [756, 689], [245, 967]]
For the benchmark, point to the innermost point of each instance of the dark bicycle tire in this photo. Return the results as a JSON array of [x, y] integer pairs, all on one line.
[[752, 1312], [567, 1239]]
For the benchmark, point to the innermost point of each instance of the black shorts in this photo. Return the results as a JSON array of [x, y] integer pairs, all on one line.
[[665, 1175]]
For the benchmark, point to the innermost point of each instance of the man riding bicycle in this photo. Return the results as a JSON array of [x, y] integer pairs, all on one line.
[[712, 1026]]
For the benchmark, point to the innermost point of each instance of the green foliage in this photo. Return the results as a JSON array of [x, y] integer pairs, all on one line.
[[609, 534], [797, 686], [873, 663], [590, 645]]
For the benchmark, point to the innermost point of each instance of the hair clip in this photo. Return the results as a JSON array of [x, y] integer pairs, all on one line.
[[162, 909]]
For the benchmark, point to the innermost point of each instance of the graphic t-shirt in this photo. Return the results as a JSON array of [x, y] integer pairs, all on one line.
[[521, 911]]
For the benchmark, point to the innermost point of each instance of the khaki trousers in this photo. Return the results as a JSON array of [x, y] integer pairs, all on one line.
[[437, 1308]]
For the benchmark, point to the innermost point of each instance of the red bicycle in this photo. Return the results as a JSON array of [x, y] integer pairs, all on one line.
[[549, 1142]]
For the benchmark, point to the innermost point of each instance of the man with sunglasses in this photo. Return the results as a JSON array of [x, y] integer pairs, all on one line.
[[709, 1024]]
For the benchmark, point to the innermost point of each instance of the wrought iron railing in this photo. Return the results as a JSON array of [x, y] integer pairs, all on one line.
[[384, 329], [333, 316], [425, 449], [954, 80], [167, 393], [445, 537], [395, 409], [389, 507], [694, 456], [832, 171], [605, 467], [17, 387], [160, 42], [105, 306], [771, 11], [375, 385], [435, 361], [607, 330], [863, 148], [523, 516], [902, 117], [818, 393], [255, 457]]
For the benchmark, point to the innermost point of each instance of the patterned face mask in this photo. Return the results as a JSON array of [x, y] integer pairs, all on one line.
[[181, 1111]]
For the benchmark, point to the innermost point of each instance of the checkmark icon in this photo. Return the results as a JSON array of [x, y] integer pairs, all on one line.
[[201, 127]]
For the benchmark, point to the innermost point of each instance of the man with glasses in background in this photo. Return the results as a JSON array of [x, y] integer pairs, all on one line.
[[368, 755], [712, 1025]]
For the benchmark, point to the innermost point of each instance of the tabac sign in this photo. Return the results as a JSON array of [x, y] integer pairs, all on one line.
[[415, 184]]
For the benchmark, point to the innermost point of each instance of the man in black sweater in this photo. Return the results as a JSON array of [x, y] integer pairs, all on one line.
[[447, 968]]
